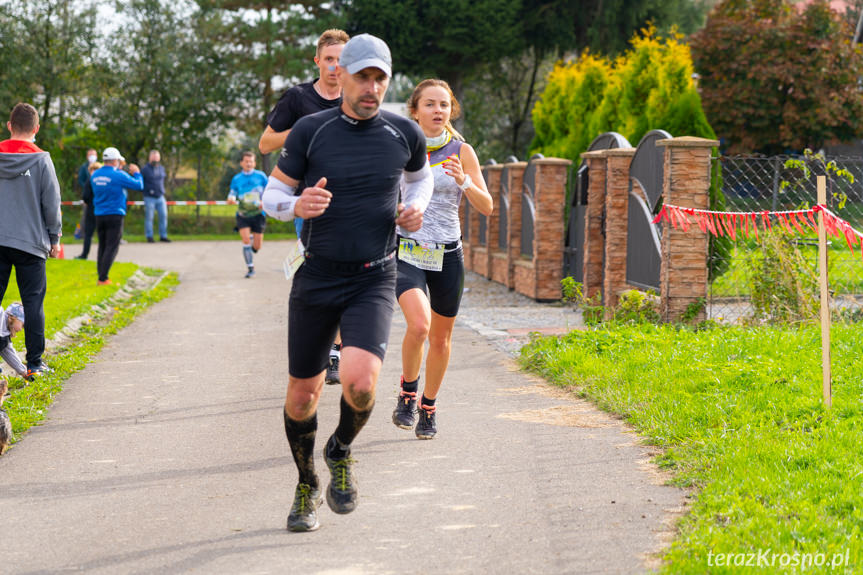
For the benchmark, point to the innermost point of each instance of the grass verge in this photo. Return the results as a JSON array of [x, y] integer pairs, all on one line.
[[739, 415], [72, 292]]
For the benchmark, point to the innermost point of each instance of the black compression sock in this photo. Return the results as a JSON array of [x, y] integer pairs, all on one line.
[[427, 402], [410, 386], [351, 422], [301, 437]]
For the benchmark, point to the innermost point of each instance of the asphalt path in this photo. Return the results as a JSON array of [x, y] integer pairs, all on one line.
[[167, 454]]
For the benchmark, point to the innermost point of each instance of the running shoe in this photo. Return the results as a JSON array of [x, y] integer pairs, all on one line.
[[406, 408], [426, 426], [37, 371], [304, 511], [342, 491], [333, 371], [250, 273], [106, 282]]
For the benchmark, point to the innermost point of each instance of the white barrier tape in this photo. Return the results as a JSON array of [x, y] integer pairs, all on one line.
[[170, 203]]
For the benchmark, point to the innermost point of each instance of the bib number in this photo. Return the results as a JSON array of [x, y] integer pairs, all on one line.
[[425, 256], [250, 203], [294, 260]]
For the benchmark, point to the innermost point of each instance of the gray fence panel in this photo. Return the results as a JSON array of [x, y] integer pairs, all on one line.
[[643, 259], [528, 206], [573, 250], [503, 217]]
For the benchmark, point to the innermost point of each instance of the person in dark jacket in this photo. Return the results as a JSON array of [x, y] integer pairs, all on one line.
[[109, 204], [89, 216], [154, 196], [84, 172], [30, 224]]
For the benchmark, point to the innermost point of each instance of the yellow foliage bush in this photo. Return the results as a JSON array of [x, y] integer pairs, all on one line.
[[649, 87]]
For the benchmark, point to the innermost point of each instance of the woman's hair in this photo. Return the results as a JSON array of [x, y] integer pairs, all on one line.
[[455, 112], [94, 166]]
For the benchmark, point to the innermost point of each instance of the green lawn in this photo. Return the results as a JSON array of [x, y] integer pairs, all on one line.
[[72, 291], [739, 415]]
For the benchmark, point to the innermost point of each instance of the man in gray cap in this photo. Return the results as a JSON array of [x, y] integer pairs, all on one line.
[[351, 160]]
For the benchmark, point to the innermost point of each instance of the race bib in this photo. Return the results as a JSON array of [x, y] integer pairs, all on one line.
[[294, 260], [250, 203], [425, 256]]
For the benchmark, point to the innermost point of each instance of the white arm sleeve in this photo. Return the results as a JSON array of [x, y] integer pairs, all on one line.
[[419, 187], [279, 200]]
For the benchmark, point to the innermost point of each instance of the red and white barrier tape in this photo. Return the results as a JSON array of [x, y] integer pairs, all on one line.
[[732, 223], [170, 203]]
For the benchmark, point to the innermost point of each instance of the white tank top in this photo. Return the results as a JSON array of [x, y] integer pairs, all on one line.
[[440, 220]]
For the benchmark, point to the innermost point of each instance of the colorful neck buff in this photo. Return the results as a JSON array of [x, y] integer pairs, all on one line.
[[438, 141]]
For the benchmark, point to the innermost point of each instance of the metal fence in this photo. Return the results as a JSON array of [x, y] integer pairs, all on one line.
[[762, 279]]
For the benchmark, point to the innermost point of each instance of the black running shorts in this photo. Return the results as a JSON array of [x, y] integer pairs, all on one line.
[[257, 223], [444, 287], [360, 303]]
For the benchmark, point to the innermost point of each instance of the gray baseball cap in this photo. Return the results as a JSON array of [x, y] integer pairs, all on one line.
[[366, 51], [16, 310]]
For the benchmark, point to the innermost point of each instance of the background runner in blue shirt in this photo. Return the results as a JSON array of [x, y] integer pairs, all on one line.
[[246, 191]]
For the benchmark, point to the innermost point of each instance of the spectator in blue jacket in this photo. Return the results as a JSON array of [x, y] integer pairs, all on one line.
[[109, 185], [154, 197]]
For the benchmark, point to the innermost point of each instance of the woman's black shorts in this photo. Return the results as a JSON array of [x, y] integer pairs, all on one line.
[[445, 287]]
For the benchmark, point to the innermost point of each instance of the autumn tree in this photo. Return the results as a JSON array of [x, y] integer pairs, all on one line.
[[777, 79]]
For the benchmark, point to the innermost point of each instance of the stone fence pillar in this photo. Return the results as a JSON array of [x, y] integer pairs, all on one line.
[[594, 239], [618, 161], [683, 276], [515, 176], [549, 227]]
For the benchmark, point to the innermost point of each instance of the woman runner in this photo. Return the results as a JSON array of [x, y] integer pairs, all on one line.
[[430, 262]]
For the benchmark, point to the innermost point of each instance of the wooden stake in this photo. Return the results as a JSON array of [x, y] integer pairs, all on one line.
[[826, 386]]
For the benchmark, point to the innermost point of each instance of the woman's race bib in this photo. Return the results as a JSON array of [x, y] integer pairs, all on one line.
[[425, 256]]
